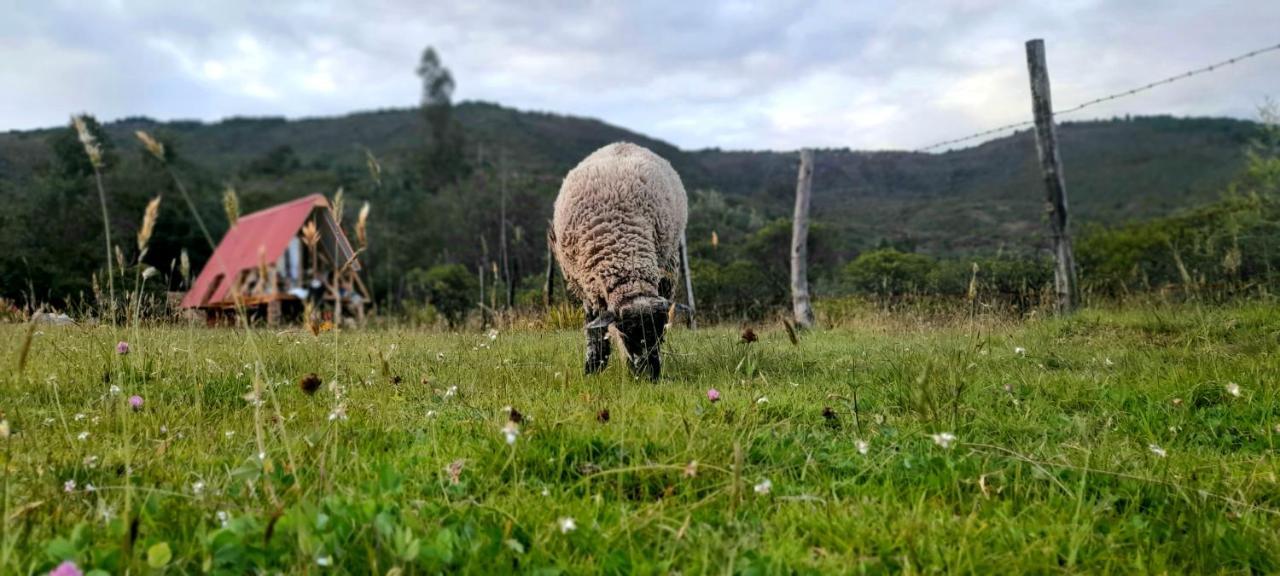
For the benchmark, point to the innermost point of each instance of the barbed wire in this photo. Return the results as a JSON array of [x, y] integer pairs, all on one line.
[[1107, 98]]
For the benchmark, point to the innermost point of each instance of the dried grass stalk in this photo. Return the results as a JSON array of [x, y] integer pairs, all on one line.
[[148, 223], [231, 205], [152, 145]]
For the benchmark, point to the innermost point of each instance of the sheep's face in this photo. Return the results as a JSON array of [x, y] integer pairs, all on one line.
[[641, 324]]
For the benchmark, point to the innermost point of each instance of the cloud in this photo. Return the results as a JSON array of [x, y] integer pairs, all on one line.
[[727, 73]]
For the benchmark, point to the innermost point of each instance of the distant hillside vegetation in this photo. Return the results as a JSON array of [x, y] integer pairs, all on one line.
[[984, 199]]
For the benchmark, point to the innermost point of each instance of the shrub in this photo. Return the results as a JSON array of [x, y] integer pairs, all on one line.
[[450, 288]]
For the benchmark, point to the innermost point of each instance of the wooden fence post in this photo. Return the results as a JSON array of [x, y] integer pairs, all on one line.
[[549, 289], [800, 243], [688, 281], [1064, 271]]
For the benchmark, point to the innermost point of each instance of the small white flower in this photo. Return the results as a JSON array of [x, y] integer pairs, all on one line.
[[262, 456], [943, 439], [49, 421], [224, 518], [451, 392], [546, 491], [114, 390], [1020, 351], [324, 561], [1158, 451], [90, 461], [339, 413], [431, 413], [863, 447], [762, 400], [164, 429], [511, 431], [83, 436], [567, 525], [106, 512], [90, 487], [69, 486], [197, 487], [493, 334], [78, 417], [1233, 389], [229, 433], [764, 487], [440, 356], [1107, 362]]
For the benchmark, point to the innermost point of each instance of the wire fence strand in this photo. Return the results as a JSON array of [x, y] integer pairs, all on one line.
[[1107, 98]]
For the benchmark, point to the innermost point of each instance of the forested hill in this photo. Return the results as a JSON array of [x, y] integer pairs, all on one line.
[[985, 198]]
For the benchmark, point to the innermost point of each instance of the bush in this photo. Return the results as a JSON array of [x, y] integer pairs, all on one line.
[[450, 288], [889, 272]]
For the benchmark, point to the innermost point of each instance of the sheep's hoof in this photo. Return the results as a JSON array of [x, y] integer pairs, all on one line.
[[651, 368]]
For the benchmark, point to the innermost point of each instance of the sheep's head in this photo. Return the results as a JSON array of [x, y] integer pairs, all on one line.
[[641, 322]]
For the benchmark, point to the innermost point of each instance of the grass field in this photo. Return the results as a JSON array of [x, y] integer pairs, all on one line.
[[1117, 441]]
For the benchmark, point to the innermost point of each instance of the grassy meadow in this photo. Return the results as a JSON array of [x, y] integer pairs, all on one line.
[[1127, 440]]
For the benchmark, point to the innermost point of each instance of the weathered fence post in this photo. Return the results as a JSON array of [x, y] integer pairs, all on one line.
[[506, 261], [799, 243], [688, 281], [1064, 271], [549, 289]]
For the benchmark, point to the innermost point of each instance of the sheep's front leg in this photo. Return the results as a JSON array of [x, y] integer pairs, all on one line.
[[597, 345]]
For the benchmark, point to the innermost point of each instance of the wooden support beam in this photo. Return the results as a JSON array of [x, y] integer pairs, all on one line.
[[1064, 270], [800, 304]]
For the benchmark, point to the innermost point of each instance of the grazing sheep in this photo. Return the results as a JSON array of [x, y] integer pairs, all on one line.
[[618, 223]]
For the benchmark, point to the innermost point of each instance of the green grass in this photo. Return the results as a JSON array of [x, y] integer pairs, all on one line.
[[1052, 467]]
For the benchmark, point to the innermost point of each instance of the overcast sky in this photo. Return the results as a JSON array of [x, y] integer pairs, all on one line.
[[733, 74]]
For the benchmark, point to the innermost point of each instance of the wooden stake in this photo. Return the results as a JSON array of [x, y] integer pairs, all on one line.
[[688, 282], [548, 289], [800, 243], [1064, 271]]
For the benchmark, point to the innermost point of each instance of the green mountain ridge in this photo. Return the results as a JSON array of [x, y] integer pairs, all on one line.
[[985, 199], [979, 198]]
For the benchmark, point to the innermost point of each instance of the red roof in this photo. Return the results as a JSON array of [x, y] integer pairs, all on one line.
[[266, 232]]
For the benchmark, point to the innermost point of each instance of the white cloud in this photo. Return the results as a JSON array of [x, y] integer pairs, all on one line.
[[735, 74]]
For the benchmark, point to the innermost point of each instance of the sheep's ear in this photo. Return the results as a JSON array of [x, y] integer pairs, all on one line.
[[602, 321]]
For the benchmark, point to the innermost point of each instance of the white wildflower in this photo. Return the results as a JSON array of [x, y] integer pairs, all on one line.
[[493, 334], [262, 456], [762, 400], [90, 487], [863, 447], [451, 392], [440, 356], [1020, 351], [339, 413], [510, 432], [114, 390], [78, 417], [229, 433], [90, 461], [1158, 451], [49, 421], [1233, 389], [224, 518], [324, 561], [69, 486], [1107, 362], [567, 525], [83, 436], [764, 487], [197, 487], [546, 491], [943, 439]]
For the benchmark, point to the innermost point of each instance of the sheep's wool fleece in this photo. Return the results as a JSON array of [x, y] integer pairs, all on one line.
[[618, 222]]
